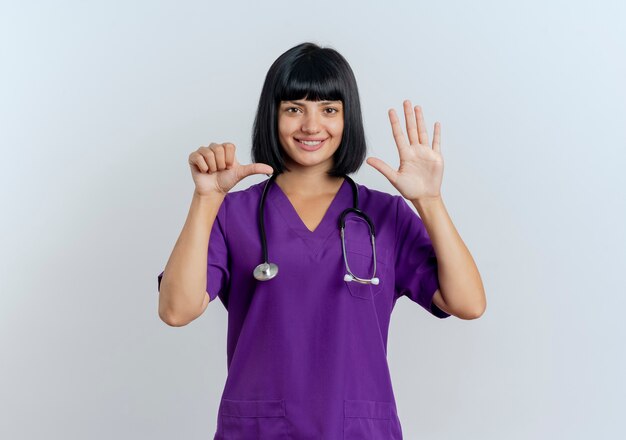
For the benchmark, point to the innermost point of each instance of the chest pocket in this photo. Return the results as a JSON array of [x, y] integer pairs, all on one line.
[[361, 263]]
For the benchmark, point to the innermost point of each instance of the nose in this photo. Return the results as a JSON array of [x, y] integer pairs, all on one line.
[[310, 123]]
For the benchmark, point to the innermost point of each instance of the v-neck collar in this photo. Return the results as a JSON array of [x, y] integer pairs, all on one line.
[[315, 239]]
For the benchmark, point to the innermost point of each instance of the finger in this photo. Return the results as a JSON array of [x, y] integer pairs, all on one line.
[[383, 167], [396, 129], [254, 168], [421, 126], [230, 154], [262, 168], [198, 160], [411, 126], [437, 137], [220, 157], [210, 159]]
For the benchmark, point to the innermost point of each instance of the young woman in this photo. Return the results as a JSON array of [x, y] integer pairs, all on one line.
[[309, 264]]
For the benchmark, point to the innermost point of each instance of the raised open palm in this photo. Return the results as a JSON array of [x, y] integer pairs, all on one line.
[[420, 172]]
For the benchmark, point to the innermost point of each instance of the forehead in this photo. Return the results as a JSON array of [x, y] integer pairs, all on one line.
[[307, 101]]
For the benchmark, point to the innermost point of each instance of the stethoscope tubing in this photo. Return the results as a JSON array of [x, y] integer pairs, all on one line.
[[266, 270]]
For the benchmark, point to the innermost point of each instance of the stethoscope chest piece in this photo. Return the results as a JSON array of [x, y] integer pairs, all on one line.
[[265, 271]]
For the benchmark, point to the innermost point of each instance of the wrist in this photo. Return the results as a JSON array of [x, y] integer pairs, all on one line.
[[425, 204], [427, 200], [213, 195]]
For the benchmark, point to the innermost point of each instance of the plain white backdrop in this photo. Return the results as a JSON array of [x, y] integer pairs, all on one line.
[[102, 102]]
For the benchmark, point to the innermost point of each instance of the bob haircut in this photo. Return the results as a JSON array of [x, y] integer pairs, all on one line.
[[308, 71]]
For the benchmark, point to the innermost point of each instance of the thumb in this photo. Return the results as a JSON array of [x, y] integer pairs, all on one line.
[[382, 166], [255, 168]]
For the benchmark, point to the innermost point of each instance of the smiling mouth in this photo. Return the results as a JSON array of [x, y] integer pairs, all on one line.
[[311, 141], [310, 145]]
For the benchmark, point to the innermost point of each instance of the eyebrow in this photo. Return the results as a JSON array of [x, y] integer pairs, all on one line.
[[321, 103]]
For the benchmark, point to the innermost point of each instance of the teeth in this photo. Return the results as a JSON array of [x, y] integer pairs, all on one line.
[[310, 142]]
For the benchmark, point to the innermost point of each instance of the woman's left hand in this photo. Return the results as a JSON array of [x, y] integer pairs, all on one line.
[[421, 167]]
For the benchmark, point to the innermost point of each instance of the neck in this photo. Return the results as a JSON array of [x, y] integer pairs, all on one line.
[[308, 182]]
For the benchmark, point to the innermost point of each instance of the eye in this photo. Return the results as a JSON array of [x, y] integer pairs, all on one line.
[[291, 108], [334, 110]]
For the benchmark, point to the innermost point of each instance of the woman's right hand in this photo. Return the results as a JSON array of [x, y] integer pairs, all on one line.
[[215, 169]]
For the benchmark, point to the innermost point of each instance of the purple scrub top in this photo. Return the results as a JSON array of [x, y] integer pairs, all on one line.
[[306, 350]]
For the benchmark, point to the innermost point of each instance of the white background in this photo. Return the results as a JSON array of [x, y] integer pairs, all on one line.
[[102, 102]]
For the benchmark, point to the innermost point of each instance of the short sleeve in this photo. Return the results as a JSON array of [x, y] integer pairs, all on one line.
[[415, 260], [218, 273]]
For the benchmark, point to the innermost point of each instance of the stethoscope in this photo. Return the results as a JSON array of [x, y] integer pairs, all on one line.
[[266, 270]]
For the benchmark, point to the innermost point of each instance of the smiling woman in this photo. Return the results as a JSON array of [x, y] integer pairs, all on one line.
[[307, 344]]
